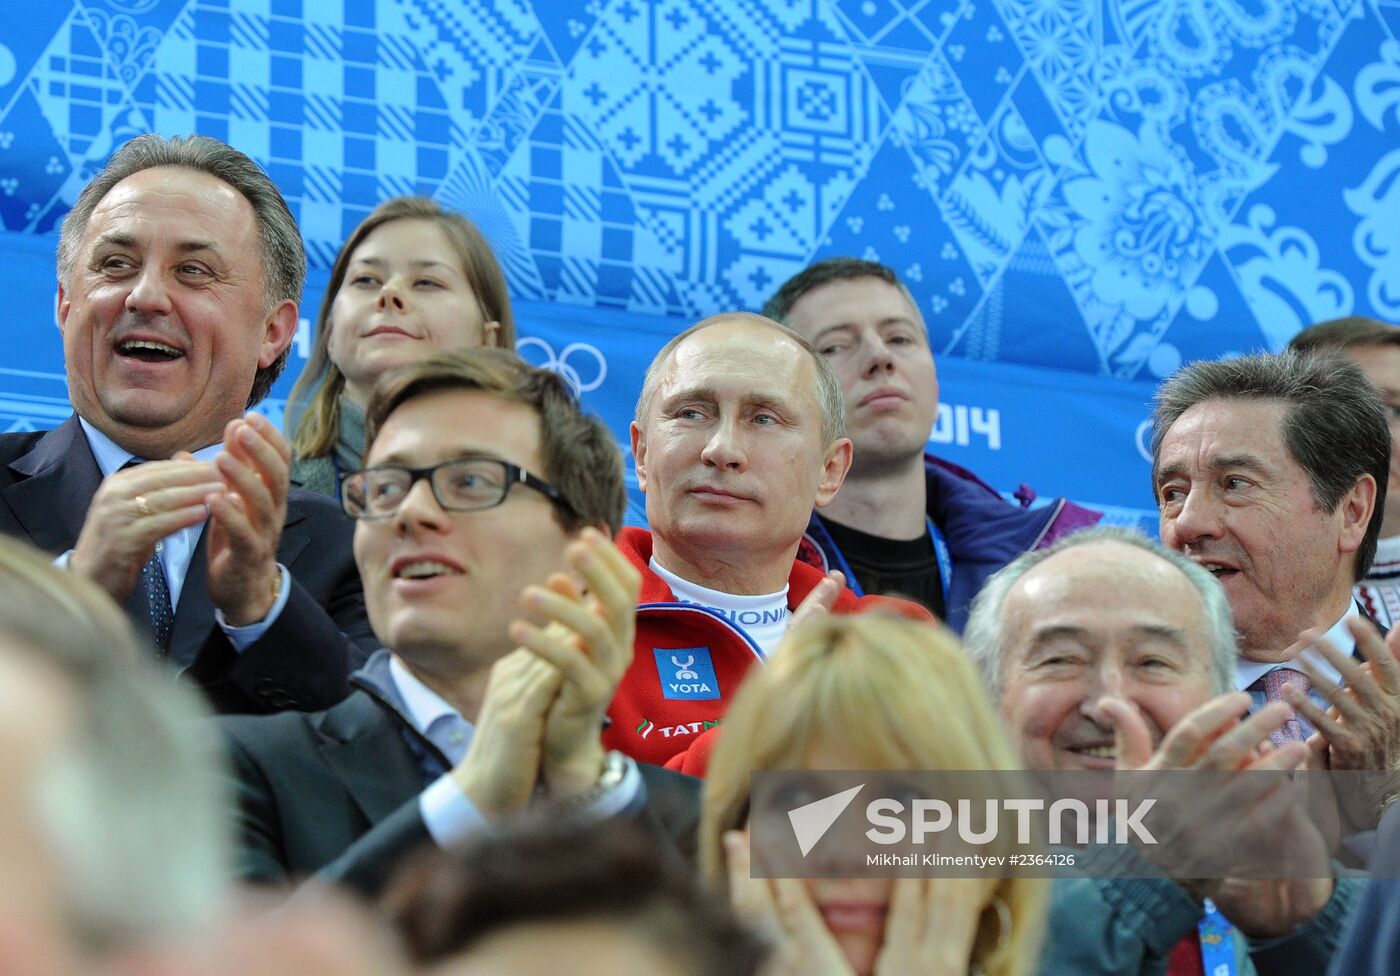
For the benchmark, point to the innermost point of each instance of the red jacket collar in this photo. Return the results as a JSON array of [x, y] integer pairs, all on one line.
[[636, 545]]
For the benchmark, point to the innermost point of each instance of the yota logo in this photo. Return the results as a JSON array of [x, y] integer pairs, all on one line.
[[686, 673]]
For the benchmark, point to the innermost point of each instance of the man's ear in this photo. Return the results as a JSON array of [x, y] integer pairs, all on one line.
[[1356, 508], [834, 467], [281, 328], [61, 307], [639, 455]]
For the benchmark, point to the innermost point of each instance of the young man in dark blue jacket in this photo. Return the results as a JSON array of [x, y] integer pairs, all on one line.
[[905, 522]]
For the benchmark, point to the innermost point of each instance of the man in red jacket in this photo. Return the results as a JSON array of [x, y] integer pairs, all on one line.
[[739, 434]]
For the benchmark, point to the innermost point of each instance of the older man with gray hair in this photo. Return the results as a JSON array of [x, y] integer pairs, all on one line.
[[1107, 651]]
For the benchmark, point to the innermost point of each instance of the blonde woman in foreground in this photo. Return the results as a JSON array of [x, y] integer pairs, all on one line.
[[867, 692]]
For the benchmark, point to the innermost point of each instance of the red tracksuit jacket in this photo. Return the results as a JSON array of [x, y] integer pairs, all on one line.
[[689, 660]]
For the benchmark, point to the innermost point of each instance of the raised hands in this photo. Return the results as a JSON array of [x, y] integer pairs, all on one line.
[[132, 511], [1246, 816], [542, 713], [1361, 729], [588, 638], [820, 600], [246, 519], [1219, 735], [501, 767], [930, 924], [243, 495]]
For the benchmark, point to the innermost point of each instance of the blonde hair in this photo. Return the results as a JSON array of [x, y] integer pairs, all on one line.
[[892, 693], [319, 387]]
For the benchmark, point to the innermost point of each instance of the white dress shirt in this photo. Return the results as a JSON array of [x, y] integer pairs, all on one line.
[[447, 812]]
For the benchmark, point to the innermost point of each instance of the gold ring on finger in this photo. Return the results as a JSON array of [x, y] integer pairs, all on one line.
[[143, 506]]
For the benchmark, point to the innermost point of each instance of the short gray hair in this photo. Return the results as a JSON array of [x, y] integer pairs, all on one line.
[[133, 805], [985, 639], [828, 391], [283, 254], [1334, 426]]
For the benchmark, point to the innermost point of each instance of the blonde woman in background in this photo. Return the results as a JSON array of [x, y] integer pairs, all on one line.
[[411, 280], [867, 692]]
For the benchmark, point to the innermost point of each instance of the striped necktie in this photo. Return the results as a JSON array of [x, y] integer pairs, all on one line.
[[1270, 686]]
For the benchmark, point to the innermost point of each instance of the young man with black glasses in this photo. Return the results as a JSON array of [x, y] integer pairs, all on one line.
[[483, 531]]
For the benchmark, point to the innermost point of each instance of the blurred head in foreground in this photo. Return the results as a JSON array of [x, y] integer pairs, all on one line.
[[871, 692], [548, 896], [112, 833]]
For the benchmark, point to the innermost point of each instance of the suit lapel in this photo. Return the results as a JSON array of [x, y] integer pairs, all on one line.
[[361, 739], [56, 482]]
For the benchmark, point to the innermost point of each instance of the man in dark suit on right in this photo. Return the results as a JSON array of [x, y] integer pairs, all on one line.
[[507, 614], [1270, 471]]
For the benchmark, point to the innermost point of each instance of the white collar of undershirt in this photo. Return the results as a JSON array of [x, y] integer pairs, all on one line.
[[764, 618], [688, 592]]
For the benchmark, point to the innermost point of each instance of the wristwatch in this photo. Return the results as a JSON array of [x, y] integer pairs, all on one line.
[[614, 772]]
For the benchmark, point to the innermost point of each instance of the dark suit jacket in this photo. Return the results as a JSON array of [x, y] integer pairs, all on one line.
[[47, 481], [1372, 943], [336, 792]]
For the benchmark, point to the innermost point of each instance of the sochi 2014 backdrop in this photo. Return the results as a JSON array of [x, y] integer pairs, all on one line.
[[1080, 195]]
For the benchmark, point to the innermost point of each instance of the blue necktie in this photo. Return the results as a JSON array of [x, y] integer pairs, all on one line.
[[158, 601], [161, 616]]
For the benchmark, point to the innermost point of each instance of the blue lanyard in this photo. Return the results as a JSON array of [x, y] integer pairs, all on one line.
[[1217, 942], [940, 553], [944, 557]]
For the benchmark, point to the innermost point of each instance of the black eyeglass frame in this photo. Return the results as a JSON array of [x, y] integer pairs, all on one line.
[[515, 475]]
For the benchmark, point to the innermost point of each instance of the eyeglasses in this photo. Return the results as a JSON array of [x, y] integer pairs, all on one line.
[[459, 485]]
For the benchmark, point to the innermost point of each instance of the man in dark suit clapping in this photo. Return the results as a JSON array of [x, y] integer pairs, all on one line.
[[180, 268], [507, 617]]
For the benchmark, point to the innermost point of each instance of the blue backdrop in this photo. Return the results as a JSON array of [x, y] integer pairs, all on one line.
[[1081, 195]]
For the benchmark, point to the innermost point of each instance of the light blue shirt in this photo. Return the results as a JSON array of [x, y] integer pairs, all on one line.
[[1248, 672], [177, 549], [447, 812]]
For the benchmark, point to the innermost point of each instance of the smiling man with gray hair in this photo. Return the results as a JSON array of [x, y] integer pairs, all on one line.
[[1109, 652]]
